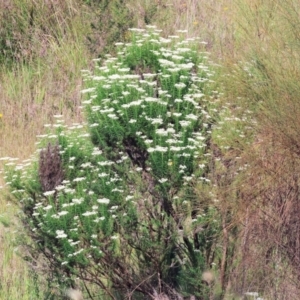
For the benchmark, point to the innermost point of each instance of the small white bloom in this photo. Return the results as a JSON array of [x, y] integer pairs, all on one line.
[[62, 213], [175, 149], [149, 75], [157, 121], [191, 117], [170, 130], [78, 179], [161, 131], [124, 70], [113, 116], [184, 123], [115, 76], [49, 193], [117, 190], [89, 213], [48, 207], [101, 175], [60, 234], [180, 85], [150, 99], [177, 114], [60, 187], [148, 141], [77, 201], [163, 180], [103, 201], [129, 197], [78, 252], [161, 149], [86, 165]]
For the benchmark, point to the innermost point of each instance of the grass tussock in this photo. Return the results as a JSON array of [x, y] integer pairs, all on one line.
[[267, 80]]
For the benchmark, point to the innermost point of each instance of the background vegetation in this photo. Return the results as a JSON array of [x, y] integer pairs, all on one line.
[[44, 45]]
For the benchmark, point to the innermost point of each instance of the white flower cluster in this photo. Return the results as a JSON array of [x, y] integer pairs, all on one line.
[[167, 112]]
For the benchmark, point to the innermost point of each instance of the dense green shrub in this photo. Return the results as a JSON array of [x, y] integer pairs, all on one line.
[[113, 202]]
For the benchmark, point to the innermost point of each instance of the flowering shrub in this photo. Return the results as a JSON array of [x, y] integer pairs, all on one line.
[[113, 201]]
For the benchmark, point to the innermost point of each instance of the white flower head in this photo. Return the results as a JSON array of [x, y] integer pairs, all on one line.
[[48, 207], [49, 193], [163, 180], [103, 201], [62, 213], [180, 85], [60, 234]]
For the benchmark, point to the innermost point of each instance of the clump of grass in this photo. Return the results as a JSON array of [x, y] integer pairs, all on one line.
[[29, 29], [267, 80]]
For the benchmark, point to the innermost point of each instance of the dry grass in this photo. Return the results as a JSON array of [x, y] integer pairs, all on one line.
[[268, 41], [211, 20], [269, 249]]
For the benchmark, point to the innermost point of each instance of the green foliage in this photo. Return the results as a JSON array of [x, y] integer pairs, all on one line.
[[114, 201]]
